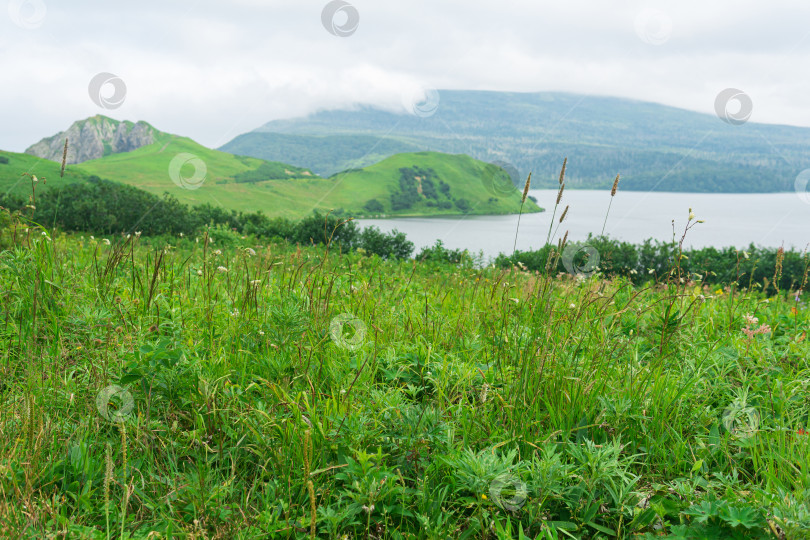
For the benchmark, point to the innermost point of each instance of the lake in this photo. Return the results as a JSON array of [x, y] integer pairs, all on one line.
[[771, 219]]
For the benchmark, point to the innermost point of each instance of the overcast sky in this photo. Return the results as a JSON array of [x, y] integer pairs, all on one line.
[[213, 69]]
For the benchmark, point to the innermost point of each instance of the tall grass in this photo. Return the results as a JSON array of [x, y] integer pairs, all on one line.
[[480, 403]]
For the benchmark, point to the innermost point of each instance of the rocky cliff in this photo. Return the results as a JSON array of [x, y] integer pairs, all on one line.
[[93, 138]]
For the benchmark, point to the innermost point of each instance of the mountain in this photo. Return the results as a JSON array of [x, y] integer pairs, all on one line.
[[94, 138], [405, 184], [654, 147]]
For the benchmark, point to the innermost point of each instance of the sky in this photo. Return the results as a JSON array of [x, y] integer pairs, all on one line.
[[212, 70]]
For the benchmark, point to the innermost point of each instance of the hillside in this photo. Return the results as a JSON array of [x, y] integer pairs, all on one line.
[[432, 184], [654, 147]]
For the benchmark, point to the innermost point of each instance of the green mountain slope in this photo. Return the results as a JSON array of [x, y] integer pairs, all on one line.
[[432, 184], [14, 165], [326, 154], [654, 147]]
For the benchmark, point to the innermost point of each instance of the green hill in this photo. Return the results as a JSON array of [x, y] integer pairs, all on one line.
[[654, 147], [406, 184], [14, 165]]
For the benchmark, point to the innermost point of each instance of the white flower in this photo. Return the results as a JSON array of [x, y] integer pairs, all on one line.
[[250, 252], [221, 269], [44, 233], [261, 332], [572, 305], [181, 235], [35, 179], [199, 272], [106, 242], [256, 282], [691, 215], [138, 233], [217, 253]]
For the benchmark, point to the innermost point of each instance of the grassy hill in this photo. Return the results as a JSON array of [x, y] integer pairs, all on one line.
[[406, 178], [251, 184], [654, 147], [14, 165]]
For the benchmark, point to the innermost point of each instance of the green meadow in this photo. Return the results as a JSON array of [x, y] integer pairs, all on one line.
[[227, 386]]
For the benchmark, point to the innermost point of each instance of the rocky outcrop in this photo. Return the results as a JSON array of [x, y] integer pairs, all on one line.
[[93, 138]]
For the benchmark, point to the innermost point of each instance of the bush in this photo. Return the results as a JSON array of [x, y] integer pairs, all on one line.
[[654, 260], [374, 206], [393, 245], [463, 205], [3, 160], [438, 253]]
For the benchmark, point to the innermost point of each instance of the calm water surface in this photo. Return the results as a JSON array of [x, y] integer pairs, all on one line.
[[730, 220]]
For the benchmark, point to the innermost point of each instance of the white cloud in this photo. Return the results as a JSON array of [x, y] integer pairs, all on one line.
[[212, 70]]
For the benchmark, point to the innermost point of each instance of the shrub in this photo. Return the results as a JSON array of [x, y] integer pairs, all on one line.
[[438, 253], [374, 206], [393, 245], [463, 205]]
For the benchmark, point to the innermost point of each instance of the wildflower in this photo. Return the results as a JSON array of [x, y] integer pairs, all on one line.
[[745, 254], [256, 282], [750, 319], [261, 332], [138, 233], [44, 233], [35, 179], [483, 496], [181, 235], [221, 269], [691, 215], [250, 252], [217, 253], [633, 271], [650, 270], [199, 272], [106, 242], [572, 305], [803, 432]]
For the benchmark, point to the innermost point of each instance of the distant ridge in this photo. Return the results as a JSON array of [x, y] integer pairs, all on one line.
[[653, 146]]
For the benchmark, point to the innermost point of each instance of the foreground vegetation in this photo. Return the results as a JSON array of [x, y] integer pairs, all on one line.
[[223, 386]]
